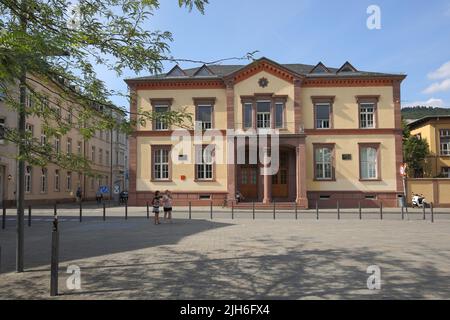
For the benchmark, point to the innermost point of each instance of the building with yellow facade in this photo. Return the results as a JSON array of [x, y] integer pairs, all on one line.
[[436, 130], [337, 132]]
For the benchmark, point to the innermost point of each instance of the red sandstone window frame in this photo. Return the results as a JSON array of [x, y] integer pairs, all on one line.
[[377, 146], [160, 102], [317, 100], [331, 146], [368, 99], [153, 149], [213, 164], [274, 99], [205, 101]]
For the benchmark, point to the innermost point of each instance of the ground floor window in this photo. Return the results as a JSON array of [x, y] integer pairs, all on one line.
[[323, 162], [161, 164], [43, 180], [204, 162], [368, 158], [28, 179], [445, 172]]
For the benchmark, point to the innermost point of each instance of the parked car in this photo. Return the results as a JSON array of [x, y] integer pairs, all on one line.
[[123, 197]]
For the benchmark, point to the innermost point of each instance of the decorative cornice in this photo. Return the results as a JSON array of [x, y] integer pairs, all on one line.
[[178, 84], [260, 66], [358, 82]]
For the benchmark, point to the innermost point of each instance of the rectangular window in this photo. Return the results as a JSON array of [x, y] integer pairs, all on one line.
[[204, 162], [248, 115], [69, 145], [445, 172], [323, 111], [323, 162], [204, 116], [367, 115], [100, 156], [79, 147], [107, 158], [93, 154], [161, 163], [2, 130], [57, 180], [69, 181], [57, 144], [160, 123], [43, 139], [263, 114], [279, 114], [43, 182], [28, 179], [69, 117], [107, 134], [30, 129], [368, 158], [445, 142]]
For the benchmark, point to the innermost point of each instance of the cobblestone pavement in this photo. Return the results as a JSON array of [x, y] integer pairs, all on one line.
[[228, 258]]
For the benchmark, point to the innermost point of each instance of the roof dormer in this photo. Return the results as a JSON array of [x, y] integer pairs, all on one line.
[[320, 68], [176, 71], [203, 71], [347, 67]]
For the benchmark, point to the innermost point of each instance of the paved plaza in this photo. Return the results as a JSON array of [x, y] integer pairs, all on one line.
[[226, 258]]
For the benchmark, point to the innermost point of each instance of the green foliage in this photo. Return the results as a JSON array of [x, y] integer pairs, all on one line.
[[415, 150], [423, 111], [52, 45]]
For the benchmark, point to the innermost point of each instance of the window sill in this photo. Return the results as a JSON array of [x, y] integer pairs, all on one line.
[[161, 180], [204, 180], [325, 180], [368, 180]]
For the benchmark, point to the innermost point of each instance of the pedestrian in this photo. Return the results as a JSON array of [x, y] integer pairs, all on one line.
[[167, 204], [99, 196], [156, 203], [78, 194]]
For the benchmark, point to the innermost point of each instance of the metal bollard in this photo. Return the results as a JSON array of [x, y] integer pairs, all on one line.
[[126, 209], [403, 212], [81, 211], [317, 210], [253, 206], [432, 212], [148, 211], [54, 259], [55, 210], [381, 210], [4, 217], [359, 207], [295, 204], [104, 211], [190, 210], [211, 210], [232, 210], [423, 209], [29, 216], [274, 210], [338, 210]]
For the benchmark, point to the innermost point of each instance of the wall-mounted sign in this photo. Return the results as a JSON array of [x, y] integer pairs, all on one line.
[[346, 156]]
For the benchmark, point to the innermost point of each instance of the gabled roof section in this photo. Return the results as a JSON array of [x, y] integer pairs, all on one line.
[[347, 67], [203, 71], [176, 71], [320, 68], [263, 64], [424, 120]]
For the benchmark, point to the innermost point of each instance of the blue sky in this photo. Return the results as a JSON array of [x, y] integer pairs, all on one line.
[[414, 38]]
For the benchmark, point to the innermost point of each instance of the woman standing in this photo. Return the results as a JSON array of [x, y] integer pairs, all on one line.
[[167, 203], [156, 203]]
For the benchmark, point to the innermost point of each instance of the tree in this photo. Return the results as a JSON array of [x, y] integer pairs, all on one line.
[[415, 150]]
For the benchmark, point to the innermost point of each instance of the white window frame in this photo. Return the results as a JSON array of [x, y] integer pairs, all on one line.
[[43, 180], [321, 174], [159, 125], [365, 116], [204, 169], [263, 117], [371, 165], [2, 125], [323, 123], [28, 179], [444, 141], [57, 186], [205, 125], [69, 181], [161, 164]]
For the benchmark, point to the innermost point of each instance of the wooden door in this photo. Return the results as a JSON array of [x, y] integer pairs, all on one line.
[[280, 180], [249, 182]]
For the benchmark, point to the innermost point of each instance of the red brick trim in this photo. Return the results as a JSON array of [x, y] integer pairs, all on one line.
[[358, 82], [352, 198], [298, 109], [342, 132], [178, 84], [259, 66]]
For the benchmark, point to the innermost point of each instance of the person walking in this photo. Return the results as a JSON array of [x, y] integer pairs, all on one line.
[[78, 194], [99, 196], [156, 202], [167, 204]]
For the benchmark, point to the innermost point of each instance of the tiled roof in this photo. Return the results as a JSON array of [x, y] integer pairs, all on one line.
[[423, 120], [221, 71]]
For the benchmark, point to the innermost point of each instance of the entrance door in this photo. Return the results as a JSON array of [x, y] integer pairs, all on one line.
[[249, 182], [280, 180]]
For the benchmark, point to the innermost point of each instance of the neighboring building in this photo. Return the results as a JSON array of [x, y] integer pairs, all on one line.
[[340, 134], [436, 130], [119, 158], [52, 183]]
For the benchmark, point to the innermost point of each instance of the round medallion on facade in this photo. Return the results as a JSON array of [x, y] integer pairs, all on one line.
[[263, 82]]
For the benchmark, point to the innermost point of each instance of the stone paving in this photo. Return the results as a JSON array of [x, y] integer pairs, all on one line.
[[228, 258]]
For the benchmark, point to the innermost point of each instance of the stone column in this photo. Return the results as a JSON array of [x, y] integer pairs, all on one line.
[[267, 196], [302, 199]]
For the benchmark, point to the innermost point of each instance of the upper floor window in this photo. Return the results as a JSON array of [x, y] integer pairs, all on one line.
[[43, 184], [160, 107], [444, 135], [368, 161], [100, 156], [445, 172], [57, 144], [279, 114], [69, 181], [93, 154], [2, 130], [28, 179], [30, 129], [43, 139], [248, 115], [69, 145], [161, 164], [263, 114], [367, 111], [57, 181], [323, 162], [323, 106], [204, 113], [79, 147]]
